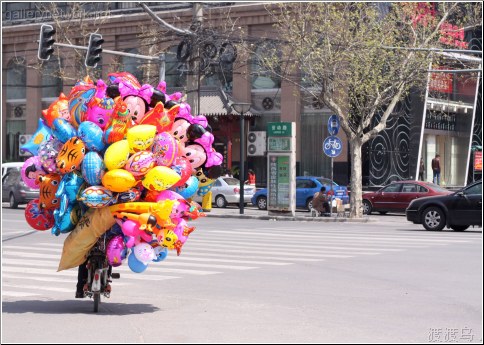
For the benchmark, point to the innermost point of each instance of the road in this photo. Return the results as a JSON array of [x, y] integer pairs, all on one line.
[[249, 280]]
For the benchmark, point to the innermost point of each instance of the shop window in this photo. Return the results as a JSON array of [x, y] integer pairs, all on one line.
[[16, 79]]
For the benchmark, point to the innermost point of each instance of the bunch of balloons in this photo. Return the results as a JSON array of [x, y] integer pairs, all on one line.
[[131, 148]]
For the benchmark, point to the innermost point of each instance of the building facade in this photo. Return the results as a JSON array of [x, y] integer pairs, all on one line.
[[28, 87]]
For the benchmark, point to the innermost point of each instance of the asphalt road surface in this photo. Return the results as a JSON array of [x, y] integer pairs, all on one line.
[[249, 280]]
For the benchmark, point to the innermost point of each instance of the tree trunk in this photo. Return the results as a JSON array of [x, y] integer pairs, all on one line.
[[356, 209]]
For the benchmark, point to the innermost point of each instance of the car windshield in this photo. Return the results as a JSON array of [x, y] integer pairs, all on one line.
[[232, 181], [436, 187], [326, 181]]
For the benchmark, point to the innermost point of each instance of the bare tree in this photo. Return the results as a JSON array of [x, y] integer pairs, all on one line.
[[347, 53]]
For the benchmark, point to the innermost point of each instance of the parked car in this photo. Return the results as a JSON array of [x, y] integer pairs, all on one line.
[[226, 190], [14, 189], [457, 210], [12, 165], [397, 196], [306, 186]]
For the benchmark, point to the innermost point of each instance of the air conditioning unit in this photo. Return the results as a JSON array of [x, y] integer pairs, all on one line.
[[256, 143], [24, 139]]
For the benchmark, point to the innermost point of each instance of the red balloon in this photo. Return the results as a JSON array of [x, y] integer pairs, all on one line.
[[37, 218], [184, 168]]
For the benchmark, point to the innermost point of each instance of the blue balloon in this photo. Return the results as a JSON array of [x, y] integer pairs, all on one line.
[[190, 188], [66, 219], [62, 129], [42, 134], [135, 265], [92, 136], [93, 168], [69, 188], [161, 253]]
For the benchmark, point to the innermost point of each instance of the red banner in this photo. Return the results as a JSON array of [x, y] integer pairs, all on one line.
[[478, 161]]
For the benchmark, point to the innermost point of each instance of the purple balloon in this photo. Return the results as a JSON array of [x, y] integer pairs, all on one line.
[[116, 251], [48, 151], [31, 170]]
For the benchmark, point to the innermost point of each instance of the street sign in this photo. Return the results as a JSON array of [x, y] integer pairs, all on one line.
[[279, 196], [279, 129], [332, 146], [333, 125]]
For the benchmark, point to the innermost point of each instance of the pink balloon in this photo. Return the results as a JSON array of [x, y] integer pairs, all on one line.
[[31, 170], [182, 230], [131, 229], [168, 195], [116, 251], [183, 167], [165, 149]]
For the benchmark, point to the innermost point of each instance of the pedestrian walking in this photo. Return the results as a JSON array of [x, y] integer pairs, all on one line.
[[421, 170], [436, 169]]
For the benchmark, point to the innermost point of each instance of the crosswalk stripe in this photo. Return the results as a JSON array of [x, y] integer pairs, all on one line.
[[7, 276], [38, 287], [298, 235], [18, 294], [224, 249]]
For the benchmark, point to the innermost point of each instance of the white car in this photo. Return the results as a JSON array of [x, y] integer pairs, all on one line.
[[226, 190]]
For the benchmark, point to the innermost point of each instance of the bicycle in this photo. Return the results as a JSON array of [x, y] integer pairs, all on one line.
[[99, 274]]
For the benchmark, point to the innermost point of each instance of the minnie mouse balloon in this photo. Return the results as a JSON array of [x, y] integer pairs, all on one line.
[[31, 170]]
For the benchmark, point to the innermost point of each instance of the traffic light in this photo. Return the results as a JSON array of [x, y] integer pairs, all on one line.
[[46, 42], [94, 50]]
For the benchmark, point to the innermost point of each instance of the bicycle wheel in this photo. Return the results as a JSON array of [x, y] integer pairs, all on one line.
[[97, 301]]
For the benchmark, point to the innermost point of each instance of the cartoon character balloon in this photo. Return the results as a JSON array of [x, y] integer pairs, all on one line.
[[57, 109], [31, 170], [70, 156], [48, 151], [38, 218], [48, 187], [41, 135], [100, 107]]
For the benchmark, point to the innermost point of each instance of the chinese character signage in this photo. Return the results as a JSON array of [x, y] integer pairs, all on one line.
[[279, 129], [441, 82], [478, 161], [279, 183]]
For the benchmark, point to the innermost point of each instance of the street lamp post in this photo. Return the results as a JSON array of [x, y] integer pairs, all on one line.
[[241, 108]]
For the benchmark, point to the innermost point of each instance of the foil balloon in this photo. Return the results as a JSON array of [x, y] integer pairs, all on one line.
[[144, 252], [66, 219], [165, 148], [182, 230], [93, 168], [48, 187], [70, 156], [132, 230], [160, 253], [160, 178], [182, 167], [42, 134], [100, 108], [117, 155], [169, 239], [168, 195], [119, 180], [97, 197], [189, 189], [118, 124], [160, 117], [135, 265], [57, 109], [69, 188], [132, 194], [79, 97], [116, 251], [140, 163], [31, 170], [38, 218], [140, 137], [92, 136], [63, 130], [48, 152]]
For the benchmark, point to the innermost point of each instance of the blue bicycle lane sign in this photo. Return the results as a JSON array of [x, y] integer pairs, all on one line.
[[332, 146]]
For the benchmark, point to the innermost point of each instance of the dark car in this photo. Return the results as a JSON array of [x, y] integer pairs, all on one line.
[[397, 196], [306, 186], [15, 191], [457, 211]]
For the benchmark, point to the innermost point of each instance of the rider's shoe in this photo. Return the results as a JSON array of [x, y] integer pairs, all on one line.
[[79, 294], [107, 288]]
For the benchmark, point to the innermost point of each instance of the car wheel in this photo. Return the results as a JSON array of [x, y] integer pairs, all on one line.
[[383, 212], [433, 219], [13, 203], [220, 201], [309, 204], [459, 227], [367, 207], [262, 203]]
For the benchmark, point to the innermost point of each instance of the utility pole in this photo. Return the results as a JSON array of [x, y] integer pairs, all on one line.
[[193, 82]]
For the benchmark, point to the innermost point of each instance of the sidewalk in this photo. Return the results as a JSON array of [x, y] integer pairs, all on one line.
[[251, 212]]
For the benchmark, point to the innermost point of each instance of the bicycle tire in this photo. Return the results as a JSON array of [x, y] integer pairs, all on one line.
[[97, 301]]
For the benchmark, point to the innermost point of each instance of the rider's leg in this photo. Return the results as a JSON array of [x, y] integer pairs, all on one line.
[[81, 280]]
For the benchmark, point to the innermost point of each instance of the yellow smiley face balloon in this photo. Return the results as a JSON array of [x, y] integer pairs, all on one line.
[[116, 155], [118, 180], [141, 137], [160, 178]]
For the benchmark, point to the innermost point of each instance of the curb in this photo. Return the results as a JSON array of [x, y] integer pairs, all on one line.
[[299, 219]]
